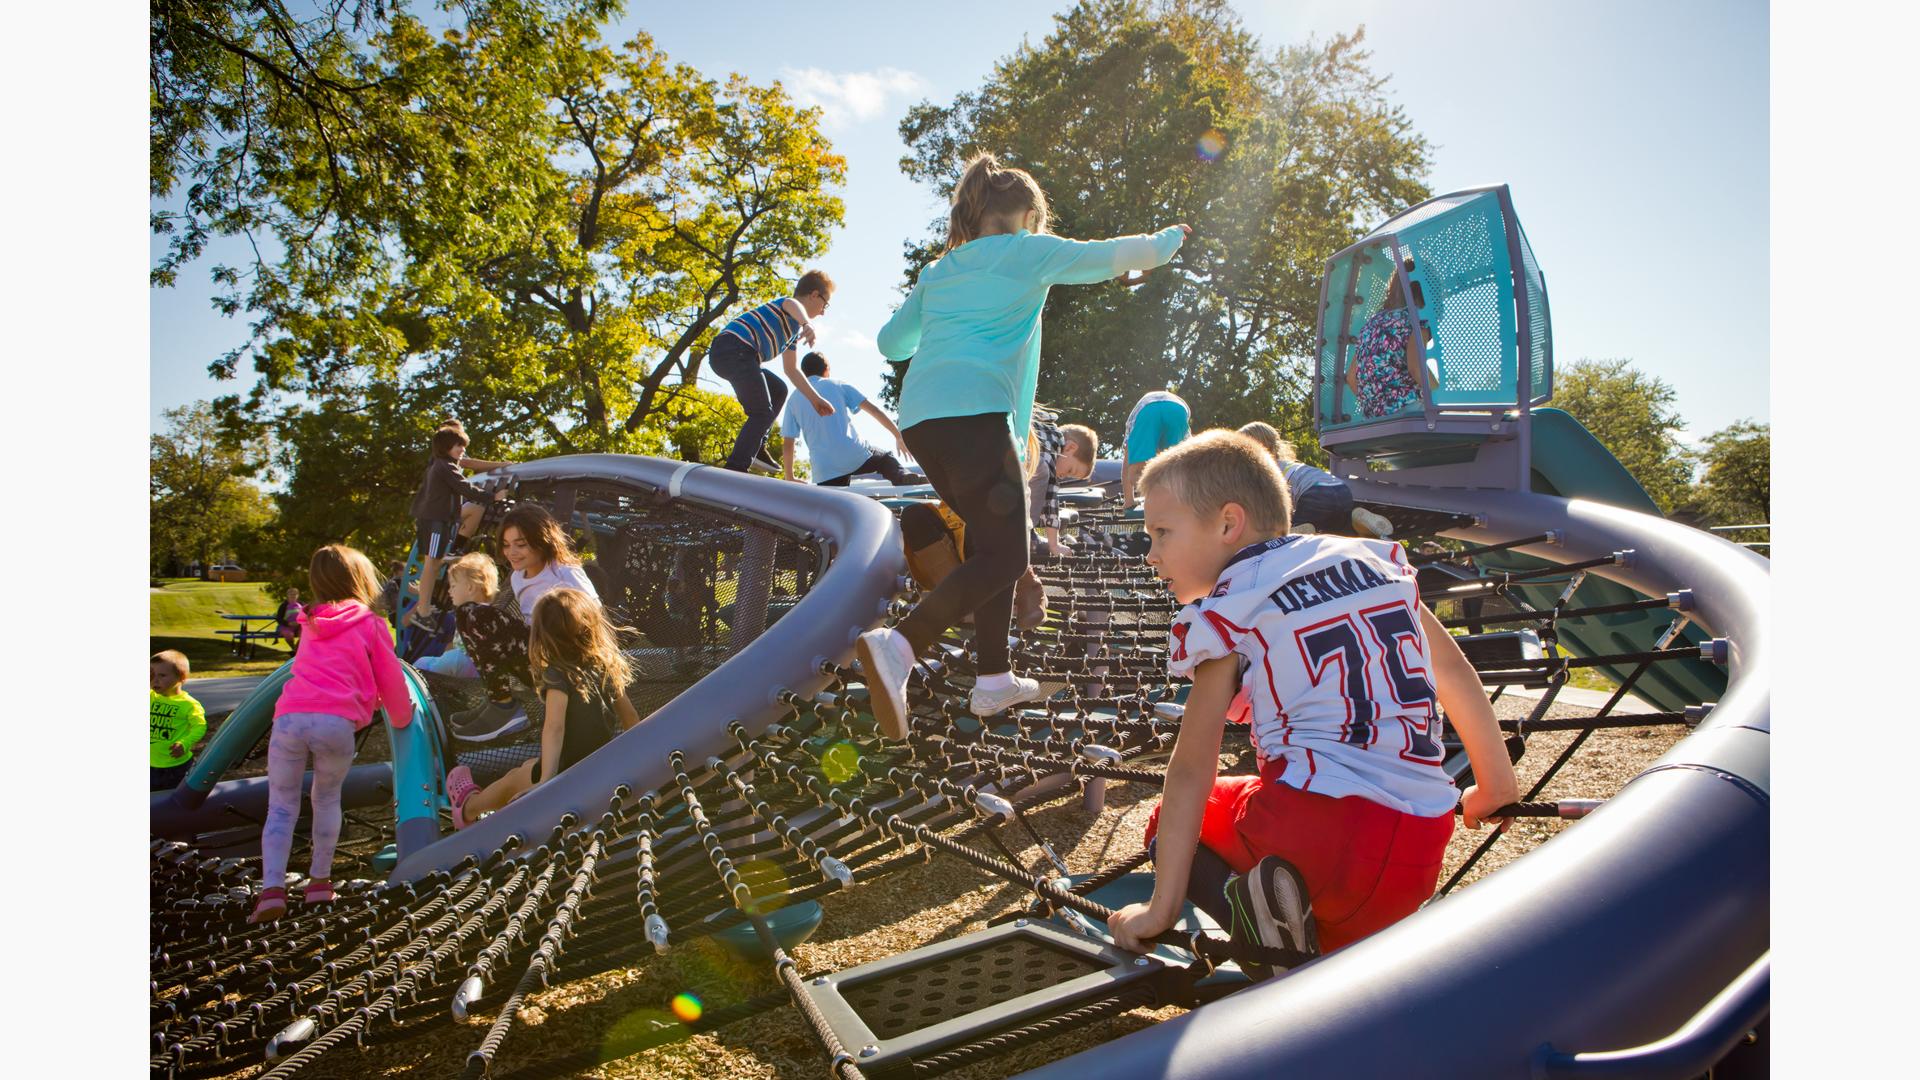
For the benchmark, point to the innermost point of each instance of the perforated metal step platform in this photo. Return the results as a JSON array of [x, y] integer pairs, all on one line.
[[891, 1012]]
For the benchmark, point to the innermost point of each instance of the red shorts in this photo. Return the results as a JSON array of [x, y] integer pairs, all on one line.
[[1367, 866]]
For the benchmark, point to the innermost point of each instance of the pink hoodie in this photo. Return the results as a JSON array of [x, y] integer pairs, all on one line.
[[345, 663]]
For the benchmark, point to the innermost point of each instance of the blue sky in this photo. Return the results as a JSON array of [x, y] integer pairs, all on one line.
[[1634, 136]]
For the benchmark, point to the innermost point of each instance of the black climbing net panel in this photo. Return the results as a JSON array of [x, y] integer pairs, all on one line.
[[815, 804]]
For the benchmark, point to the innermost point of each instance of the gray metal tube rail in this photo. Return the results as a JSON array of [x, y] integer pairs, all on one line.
[[849, 597]]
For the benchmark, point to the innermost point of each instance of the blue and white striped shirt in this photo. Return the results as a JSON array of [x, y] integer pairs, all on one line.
[[769, 329]]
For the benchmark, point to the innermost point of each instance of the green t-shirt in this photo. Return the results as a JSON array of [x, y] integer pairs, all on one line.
[[173, 718]]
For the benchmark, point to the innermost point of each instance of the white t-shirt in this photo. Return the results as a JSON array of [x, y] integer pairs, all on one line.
[[527, 591], [1334, 661]]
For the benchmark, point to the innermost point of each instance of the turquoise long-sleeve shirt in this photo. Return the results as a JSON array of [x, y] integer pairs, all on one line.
[[972, 322]]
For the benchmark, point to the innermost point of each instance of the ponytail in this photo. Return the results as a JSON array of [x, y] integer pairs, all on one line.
[[987, 191]]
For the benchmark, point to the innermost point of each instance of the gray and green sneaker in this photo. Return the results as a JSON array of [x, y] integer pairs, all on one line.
[[1270, 907]]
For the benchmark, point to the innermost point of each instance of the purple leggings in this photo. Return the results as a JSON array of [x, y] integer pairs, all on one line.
[[296, 736]]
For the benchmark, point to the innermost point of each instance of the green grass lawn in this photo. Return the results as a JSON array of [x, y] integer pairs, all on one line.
[[185, 612]]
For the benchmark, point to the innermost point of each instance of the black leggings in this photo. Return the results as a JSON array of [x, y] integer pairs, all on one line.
[[760, 391], [886, 465], [971, 463]]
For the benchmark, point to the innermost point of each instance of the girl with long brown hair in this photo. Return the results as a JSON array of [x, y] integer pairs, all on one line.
[[972, 327], [583, 678]]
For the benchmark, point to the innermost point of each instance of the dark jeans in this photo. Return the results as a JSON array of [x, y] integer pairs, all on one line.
[[885, 464], [1326, 507], [760, 391], [168, 777], [971, 464]]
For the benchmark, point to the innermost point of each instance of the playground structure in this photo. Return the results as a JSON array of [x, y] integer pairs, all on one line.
[[757, 786]]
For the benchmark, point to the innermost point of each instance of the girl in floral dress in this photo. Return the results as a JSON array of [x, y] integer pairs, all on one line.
[[1387, 374]]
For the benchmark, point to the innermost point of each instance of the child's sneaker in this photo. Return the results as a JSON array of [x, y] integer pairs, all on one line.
[[984, 702], [271, 905], [1270, 907], [488, 722], [886, 659], [1366, 521], [460, 787], [423, 617], [764, 465]]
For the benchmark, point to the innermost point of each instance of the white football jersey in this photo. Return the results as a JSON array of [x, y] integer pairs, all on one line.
[[1333, 662]]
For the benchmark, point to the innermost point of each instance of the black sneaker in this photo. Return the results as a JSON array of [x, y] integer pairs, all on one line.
[[488, 722], [424, 618], [1270, 907]]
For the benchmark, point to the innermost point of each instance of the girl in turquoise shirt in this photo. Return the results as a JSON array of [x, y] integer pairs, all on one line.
[[972, 328]]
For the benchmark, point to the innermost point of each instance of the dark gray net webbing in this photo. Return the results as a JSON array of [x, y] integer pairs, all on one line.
[[814, 805]]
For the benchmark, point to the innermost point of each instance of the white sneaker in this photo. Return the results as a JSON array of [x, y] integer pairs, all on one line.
[[886, 659], [1367, 521], [994, 702]]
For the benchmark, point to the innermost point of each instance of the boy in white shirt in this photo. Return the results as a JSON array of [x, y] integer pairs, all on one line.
[[1343, 831]]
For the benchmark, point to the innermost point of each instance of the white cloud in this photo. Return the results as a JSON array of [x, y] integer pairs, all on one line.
[[851, 97]]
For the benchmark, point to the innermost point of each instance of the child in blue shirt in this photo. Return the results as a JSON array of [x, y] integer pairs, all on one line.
[[837, 450], [972, 328]]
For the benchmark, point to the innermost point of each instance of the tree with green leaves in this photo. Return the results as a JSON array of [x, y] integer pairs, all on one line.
[[201, 503], [1633, 415], [1134, 113], [1736, 485], [497, 217]]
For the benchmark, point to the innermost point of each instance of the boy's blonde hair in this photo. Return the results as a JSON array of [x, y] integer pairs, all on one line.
[[1266, 435], [986, 190], [174, 659], [1218, 467], [1084, 441], [477, 569], [339, 572]]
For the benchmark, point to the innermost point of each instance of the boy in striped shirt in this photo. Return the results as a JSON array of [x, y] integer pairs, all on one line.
[[750, 341]]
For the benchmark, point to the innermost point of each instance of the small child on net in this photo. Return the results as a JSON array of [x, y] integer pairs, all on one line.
[[584, 679], [1343, 831], [972, 327], [1158, 421], [1066, 453], [1391, 367], [175, 721], [1319, 498], [345, 667], [472, 583], [542, 558]]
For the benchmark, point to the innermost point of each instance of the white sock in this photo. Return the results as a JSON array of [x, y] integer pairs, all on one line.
[[1002, 681], [901, 647]]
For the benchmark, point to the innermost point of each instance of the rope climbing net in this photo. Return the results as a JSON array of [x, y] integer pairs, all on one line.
[[816, 803]]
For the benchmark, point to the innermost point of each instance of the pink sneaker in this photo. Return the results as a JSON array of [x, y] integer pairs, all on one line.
[[271, 905], [319, 891], [460, 787]]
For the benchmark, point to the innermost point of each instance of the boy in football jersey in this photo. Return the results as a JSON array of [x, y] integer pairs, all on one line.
[[1343, 831]]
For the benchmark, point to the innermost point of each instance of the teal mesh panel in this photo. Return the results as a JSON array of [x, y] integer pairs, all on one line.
[[1425, 212], [1539, 321], [1461, 260]]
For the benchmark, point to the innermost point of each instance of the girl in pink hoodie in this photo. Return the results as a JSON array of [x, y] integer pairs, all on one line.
[[344, 668]]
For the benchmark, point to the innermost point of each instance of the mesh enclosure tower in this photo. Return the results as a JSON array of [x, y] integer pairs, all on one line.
[[1461, 263]]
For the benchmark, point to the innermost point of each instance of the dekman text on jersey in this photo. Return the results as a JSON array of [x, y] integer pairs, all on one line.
[[1344, 578]]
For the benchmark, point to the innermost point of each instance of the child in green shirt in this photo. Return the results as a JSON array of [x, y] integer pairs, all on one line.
[[175, 721]]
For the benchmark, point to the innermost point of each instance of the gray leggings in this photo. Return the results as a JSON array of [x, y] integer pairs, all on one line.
[[328, 740]]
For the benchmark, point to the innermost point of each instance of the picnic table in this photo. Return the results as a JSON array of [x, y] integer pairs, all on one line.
[[245, 636]]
